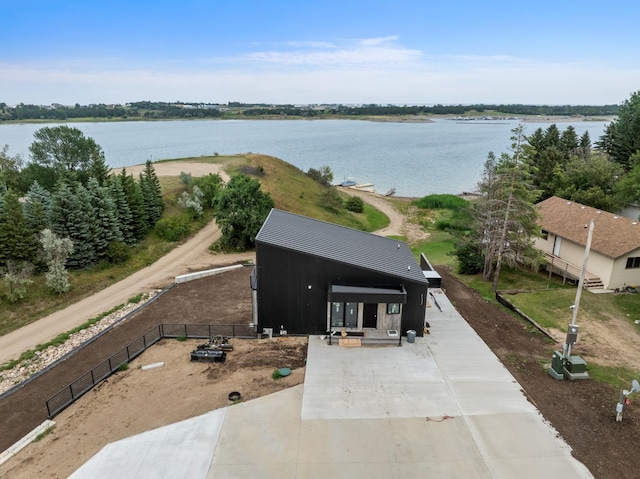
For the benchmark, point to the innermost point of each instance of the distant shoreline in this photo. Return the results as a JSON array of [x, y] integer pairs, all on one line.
[[381, 118]]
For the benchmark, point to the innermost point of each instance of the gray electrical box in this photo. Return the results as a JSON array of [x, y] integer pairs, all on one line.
[[572, 334]]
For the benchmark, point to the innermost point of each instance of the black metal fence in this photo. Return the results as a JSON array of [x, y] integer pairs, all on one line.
[[68, 395]]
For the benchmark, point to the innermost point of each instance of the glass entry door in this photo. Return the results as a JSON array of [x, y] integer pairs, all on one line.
[[344, 315]]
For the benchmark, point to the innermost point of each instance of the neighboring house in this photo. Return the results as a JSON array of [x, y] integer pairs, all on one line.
[[312, 277], [614, 257]]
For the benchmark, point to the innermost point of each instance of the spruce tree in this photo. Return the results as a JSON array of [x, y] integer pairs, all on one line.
[[37, 208], [105, 216], [15, 241], [86, 232], [123, 213], [135, 200], [71, 218], [152, 194]]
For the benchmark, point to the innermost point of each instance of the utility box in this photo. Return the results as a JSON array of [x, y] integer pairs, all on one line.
[[575, 368], [557, 365], [557, 362], [576, 364]]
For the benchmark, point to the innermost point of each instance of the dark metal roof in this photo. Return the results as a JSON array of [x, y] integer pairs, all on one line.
[[340, 244], [338, 292]]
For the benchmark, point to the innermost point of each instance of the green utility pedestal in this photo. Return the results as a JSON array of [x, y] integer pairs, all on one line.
[[575, 368], [556, 370]]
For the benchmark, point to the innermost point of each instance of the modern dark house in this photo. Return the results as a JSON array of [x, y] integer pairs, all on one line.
[[312, 276]]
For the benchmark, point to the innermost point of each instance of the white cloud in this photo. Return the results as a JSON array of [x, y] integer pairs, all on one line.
[[360, 52], [363, 71], [368, 42]]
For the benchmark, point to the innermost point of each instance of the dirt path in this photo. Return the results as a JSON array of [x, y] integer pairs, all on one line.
[[398, 225], [193, 255]]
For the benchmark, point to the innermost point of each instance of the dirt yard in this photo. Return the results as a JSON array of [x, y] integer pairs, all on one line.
[[134, 400]]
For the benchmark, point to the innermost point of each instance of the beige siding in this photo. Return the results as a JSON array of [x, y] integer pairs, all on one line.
[[624, 276]]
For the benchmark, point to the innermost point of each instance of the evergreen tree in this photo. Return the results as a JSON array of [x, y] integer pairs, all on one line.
[[584, 146], [106, 218], [15, 239], [71, 217], [151, 194], [569, 142], [97, 167], [37, 208], [86, 233], [123, 213], [135, 200], [506, 212], [621, 139]]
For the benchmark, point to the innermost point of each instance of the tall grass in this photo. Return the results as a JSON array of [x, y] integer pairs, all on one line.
[[441, 202]]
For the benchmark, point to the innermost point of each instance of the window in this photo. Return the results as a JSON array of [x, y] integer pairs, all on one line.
[[545, 235], [344, 315], [633, 263], [393, 308]]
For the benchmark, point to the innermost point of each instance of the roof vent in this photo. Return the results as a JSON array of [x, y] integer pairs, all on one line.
[[568, 202], [615, 217], [634, 222], [409, 268], [582, 207], [597, 212]]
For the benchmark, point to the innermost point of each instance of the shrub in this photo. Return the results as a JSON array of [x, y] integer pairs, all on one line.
[[117, 252], [439, 202], [173, 228], [470, 260], [330, 199], [355, 204]]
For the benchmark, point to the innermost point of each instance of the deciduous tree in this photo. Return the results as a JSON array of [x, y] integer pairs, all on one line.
[[56, 251], [241, 209]]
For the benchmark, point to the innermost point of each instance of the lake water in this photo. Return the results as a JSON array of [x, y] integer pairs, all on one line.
[[415, 158]]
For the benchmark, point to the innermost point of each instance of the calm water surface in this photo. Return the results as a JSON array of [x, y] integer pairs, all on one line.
[[416, 158]]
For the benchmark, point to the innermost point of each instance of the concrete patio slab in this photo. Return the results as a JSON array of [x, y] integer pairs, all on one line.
[[443, 406]]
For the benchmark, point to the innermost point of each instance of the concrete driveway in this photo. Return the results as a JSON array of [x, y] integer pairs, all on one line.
[[441, 407]]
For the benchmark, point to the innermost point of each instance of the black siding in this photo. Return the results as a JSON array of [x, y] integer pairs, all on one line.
[[293, 289]]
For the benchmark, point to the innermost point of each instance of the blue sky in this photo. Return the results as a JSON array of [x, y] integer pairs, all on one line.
[[309, 51]]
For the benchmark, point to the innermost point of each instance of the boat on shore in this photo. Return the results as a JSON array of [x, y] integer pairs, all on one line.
[[348, 182]]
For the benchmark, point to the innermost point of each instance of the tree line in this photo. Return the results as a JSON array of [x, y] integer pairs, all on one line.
[[165, 110]]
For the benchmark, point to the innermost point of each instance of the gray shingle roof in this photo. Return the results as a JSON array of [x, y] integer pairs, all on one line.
[[341, 244]]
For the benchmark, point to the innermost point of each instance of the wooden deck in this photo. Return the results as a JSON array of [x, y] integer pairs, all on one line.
[[571, 272]]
